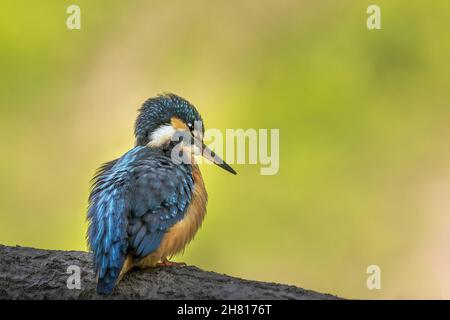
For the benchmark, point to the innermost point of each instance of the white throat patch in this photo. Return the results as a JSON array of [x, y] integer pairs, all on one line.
[[161, 136]]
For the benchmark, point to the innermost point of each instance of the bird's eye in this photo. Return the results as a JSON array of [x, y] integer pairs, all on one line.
[[190, 126]]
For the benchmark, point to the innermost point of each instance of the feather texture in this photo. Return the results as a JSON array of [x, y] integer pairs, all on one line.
[[134, 201]]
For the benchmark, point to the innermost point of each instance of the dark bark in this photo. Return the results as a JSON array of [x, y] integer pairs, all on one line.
[[27, 273]]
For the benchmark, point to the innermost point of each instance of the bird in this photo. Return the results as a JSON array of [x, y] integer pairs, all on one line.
[[147, 205]]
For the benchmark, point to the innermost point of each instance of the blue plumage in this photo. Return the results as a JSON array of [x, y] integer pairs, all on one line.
[[134, 201]]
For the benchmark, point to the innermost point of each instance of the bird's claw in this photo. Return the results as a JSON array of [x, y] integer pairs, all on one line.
[[167, 263]]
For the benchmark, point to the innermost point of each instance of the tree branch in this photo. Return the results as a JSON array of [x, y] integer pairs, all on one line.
[[27, 273]]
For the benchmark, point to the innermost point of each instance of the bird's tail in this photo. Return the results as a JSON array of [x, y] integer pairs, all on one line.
[[108, 266], [112, 276], [107, 235], [107, 216], [106, 284]]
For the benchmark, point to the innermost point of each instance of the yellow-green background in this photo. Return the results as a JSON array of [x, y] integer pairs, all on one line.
[[363, 116]]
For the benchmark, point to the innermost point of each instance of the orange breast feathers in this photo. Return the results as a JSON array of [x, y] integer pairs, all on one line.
[[180, 234]]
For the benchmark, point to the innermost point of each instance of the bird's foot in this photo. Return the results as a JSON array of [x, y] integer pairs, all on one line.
[[167, 263]]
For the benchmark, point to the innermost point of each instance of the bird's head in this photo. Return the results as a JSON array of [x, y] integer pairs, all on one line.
[[169, 120]]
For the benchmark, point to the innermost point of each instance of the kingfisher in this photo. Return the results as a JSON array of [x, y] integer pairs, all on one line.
[[147, 205]]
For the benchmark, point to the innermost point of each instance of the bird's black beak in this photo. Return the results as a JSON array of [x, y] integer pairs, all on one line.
[[213, 157]]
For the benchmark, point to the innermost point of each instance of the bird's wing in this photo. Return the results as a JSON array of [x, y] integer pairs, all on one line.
[[161, 195], [133, 202], [109, 206]]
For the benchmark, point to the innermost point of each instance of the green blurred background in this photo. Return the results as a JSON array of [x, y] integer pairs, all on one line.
[[363, 116]]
